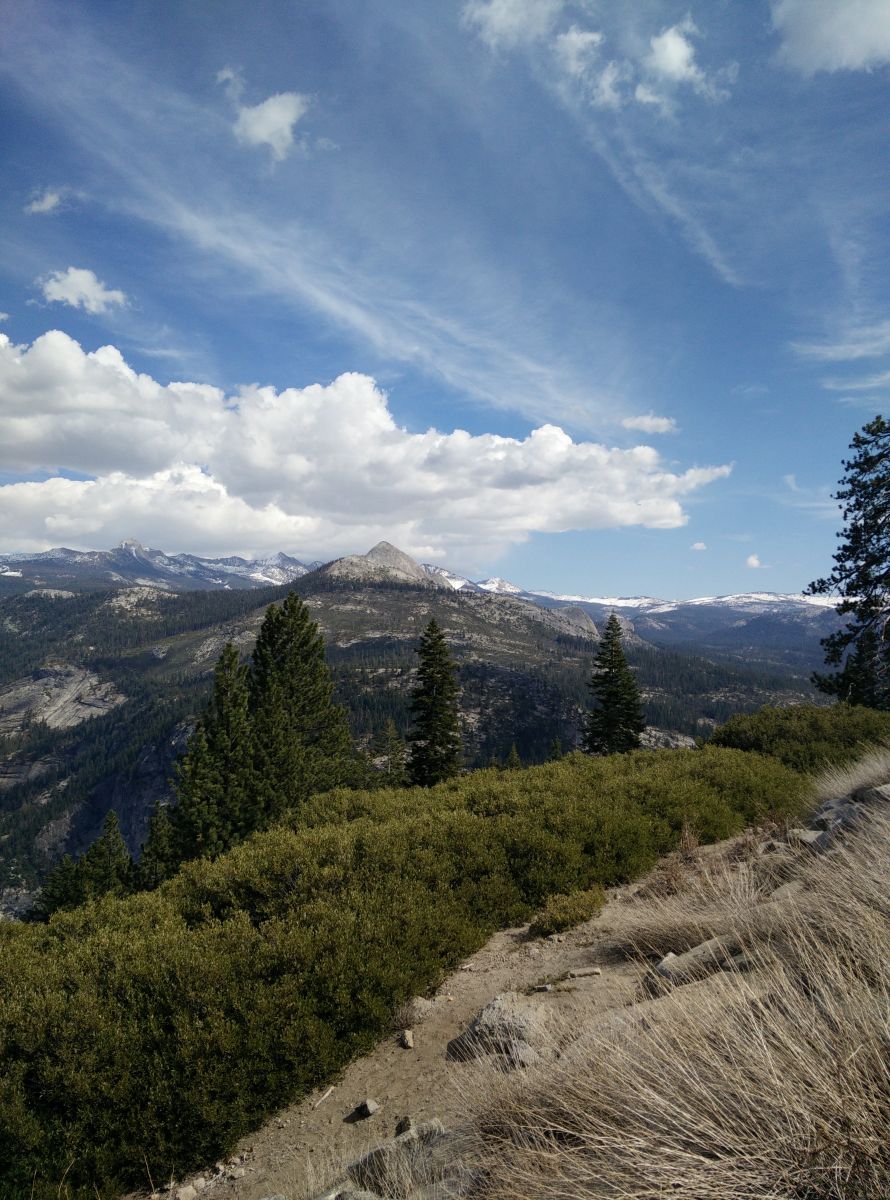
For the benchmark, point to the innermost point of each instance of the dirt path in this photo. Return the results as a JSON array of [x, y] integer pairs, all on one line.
[[299, 1150]]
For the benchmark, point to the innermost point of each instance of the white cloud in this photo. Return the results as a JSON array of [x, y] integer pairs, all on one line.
[[671, 63], [651, 424], [46, 201], [753, 561], [4, 316], [576, 49], [318, 470], [271, 123], [833, 35], [81, 289], [698, 546], [506, 23]]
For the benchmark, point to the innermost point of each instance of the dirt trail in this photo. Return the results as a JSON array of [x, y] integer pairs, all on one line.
[[299, 1149]]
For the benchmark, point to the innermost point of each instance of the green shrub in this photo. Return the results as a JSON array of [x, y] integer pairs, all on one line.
[[566, 911], [807, 737], [157, 1029]]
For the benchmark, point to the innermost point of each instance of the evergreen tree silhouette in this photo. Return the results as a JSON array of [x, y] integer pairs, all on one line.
[[434, 740], [616, 721]]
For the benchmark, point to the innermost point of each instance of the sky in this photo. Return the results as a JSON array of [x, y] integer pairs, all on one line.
[[585, 294]]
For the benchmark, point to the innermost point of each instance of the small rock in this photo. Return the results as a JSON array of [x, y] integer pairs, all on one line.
[[406, 1039], [467, 967], [584, 972], [416, 1011], [236, 1172], [543, 987], [199, 1183], [277, 1196], [367, 1108], [813, 839], [356, 1194], [699, 962], [186, 1193], [404, 1125]]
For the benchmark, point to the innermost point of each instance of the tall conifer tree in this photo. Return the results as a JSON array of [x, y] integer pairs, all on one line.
[[434, 739], [216, 800], [615, 723], [301, 739], [861, 576]]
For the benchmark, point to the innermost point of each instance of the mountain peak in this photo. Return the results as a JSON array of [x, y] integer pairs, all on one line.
[[384, 561]]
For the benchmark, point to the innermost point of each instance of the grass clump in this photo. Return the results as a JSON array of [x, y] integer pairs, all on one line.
[[807, 737], [157, 1029], [564, 911]]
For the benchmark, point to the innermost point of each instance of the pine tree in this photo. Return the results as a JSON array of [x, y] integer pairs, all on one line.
[[62, 889], [393, 750], [434, 739], [861, 576], [615, 723], [107, 867], [158, 860], [215, 799], [301, 739], [556, 752], [513, 761]]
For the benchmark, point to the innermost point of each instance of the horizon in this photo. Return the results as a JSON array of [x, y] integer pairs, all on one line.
[[531, 589], [529, 288]]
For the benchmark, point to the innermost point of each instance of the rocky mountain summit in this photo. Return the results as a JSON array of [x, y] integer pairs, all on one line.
[[384, 563]]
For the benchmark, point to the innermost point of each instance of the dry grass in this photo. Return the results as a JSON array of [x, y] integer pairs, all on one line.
[[768, 1085], [872, 770]]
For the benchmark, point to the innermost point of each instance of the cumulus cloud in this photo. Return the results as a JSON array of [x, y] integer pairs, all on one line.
[[271, 122], [81, 289], [46, 201], [507, 23], [318, 470], [698, 546], [4, 316], [753, 561], [651, 424], [833, 35]]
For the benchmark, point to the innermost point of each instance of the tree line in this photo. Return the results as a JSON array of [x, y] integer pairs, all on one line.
[[271, 736]]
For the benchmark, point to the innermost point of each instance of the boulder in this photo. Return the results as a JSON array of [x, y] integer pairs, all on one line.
[[406, 1039], [366, 1108], [509, 1028]]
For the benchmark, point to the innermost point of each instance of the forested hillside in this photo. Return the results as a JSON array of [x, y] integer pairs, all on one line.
[[522, 673]]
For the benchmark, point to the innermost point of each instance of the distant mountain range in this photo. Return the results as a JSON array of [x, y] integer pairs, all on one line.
[[131, 563]]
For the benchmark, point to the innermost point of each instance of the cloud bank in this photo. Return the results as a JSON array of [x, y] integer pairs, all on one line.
[[833, 35], [317, 470]]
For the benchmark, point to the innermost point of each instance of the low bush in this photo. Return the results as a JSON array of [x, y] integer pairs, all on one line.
[[565, 911], [149, 1033], [807, 737]]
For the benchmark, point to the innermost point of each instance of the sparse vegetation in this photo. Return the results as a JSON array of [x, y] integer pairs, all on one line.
[[565, 911]]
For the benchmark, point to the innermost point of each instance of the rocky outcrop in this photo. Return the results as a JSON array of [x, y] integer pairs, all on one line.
[[59, 696]]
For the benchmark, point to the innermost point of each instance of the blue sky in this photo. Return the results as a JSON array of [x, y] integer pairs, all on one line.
[[589, 295]]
